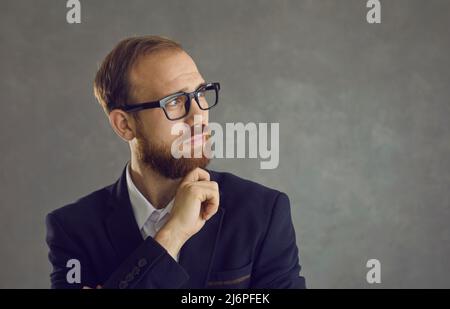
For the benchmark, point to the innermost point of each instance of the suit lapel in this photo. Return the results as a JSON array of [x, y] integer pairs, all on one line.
[[121, 224], [197, 254]]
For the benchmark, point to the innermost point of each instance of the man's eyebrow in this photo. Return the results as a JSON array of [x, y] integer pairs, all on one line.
[[185, 89]]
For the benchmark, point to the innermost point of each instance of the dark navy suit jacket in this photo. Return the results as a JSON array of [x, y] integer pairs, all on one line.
[[249, 243]]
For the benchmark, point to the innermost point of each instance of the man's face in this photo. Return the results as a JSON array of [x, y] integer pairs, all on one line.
[[153, 77]]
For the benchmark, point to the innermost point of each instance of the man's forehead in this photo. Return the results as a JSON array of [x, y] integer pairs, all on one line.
[[184, 82], [165, 72]]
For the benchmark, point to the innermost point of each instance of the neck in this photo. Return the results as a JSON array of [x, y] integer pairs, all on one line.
[[157, 189]]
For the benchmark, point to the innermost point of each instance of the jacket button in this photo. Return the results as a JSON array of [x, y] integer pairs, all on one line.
[[142, 262], [136, 271], [123, 285], [129, 277]]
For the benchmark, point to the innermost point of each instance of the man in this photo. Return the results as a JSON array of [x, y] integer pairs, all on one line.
[[167, 222]]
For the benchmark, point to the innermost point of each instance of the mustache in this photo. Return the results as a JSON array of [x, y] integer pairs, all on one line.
[[204, 130]]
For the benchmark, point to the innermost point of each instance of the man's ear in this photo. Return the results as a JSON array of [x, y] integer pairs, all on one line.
[[122, 124]]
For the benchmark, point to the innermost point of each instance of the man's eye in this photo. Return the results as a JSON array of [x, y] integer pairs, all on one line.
[[175, 102]]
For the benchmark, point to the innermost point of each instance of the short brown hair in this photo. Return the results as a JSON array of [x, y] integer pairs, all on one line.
[[111, 85]]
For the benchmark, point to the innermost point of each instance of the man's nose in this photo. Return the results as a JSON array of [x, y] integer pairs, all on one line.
[[195, 110]]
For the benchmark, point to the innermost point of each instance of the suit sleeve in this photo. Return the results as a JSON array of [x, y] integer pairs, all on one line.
[[277, 265], [148, 266], [62, 250]]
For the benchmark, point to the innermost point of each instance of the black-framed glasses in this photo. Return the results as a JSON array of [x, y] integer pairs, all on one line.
[[177, 105]]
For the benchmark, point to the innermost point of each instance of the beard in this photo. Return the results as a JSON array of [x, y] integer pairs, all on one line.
[[158, 157]]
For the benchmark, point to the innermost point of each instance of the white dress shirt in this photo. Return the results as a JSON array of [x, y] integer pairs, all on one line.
[[148, 218]]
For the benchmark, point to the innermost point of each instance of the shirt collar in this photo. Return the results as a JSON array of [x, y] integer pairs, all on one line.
[[142, 208]]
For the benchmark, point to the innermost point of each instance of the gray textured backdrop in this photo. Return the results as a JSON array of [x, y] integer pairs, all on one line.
[[363, 111]]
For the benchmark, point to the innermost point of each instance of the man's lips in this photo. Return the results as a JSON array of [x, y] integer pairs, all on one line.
[[197, 138]]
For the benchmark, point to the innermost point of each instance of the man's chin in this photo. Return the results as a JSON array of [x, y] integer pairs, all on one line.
[[159, 158], [177, 168], [186, 165]]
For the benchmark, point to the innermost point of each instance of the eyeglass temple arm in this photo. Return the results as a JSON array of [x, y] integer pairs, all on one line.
[[138, 107]]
